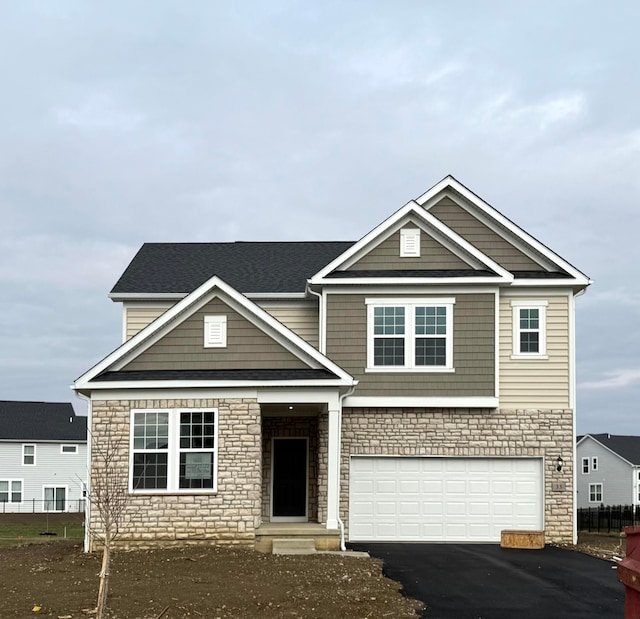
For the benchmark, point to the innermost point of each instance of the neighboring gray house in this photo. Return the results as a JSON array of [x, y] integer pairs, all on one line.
[[608, 470], [43, 457]]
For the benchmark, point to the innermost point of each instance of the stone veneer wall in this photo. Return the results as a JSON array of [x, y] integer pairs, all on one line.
[[285, 427], [466, 432], [229, 516]]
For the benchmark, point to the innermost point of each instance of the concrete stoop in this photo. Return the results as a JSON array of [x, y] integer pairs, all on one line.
[[293, 546], [323, 539]]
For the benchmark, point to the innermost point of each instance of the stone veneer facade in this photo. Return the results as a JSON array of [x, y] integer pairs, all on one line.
[[467, 433], [229, 516]]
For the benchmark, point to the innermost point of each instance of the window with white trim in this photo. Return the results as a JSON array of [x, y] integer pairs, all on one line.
[[215, 331], [410, 243], [585, 465], [68, 449], [174, 450], [410, 334], [29, 455], [10, 491], [594, 463], [638, 486], [595, 493], [529, 328]]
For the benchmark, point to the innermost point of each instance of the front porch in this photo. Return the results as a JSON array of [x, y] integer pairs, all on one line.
[[324, 539]]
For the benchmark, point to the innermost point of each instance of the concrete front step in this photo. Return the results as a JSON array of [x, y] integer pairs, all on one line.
[[294, 546]]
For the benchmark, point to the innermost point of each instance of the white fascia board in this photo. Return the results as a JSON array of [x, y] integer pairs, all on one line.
[[615, 453], [408, 281], [411, 290], [211, 384], [418, 402], [561, 283], [142, 340], [476, 200]]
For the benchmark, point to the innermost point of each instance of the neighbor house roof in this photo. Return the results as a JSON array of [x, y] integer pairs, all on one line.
[[41, 421], [627, 447], [249, 267]]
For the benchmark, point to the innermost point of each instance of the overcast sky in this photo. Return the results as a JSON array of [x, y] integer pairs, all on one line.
[[125, 122]]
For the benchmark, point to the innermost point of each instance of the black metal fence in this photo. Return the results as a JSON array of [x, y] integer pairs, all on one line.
[[608, 519], [34, 506]]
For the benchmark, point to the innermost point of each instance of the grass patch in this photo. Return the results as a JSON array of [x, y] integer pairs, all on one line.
[[38, 528]]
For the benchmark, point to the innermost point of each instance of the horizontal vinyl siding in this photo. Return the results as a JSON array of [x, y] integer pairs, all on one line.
[[386, 256], [301, 318], [536, 383], [247, 347], [473, 350], [137, 318], [482, 237]]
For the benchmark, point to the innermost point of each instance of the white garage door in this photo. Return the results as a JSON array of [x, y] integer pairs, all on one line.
[[443, 499]]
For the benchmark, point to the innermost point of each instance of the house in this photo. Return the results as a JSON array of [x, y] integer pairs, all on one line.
[[415, 385], [608, 470], [43, 457]]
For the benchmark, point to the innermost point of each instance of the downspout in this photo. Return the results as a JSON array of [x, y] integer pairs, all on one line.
[[343, 546], [87, 502]]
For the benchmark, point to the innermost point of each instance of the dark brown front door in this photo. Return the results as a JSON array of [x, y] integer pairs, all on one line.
[[289, 489]]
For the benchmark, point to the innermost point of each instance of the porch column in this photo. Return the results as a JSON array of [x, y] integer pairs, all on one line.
[[333, 467]]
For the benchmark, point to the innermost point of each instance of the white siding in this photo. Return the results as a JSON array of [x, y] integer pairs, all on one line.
[[52, 468]]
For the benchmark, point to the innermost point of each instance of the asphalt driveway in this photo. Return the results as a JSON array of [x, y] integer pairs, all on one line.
[[484, 581]]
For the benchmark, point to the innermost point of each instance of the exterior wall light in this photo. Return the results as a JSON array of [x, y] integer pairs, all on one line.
[[559, 464]]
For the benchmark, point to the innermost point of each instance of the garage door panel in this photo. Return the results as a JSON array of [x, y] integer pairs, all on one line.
[[443, 499]]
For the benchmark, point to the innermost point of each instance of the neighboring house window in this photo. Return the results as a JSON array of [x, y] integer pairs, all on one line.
[[29, 455], [68, 449], [638, 486], [174, 450], [10, 491], [215, 331], [595, 493], [529, 328], [410, 334], [410, 243], [594, 463], [585, 465]]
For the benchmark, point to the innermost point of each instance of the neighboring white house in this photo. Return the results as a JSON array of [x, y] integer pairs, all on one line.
[[608, 470], [43, 457]]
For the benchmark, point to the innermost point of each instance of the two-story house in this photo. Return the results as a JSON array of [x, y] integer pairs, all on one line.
[[43, 457], [608, 470], [418, 384]]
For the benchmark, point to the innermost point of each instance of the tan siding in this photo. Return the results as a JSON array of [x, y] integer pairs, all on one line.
[[433, 255], [473, 350], [302, 319], [247, 346], [535, 383], [482, 237], [137, 318]]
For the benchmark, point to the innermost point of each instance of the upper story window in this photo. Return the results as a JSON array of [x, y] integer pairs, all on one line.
[[215, 331], [29, 455], [410, 243], [585, 465], [529, 328], [594, 463], [68, 449], [174, 450], [410, 334]]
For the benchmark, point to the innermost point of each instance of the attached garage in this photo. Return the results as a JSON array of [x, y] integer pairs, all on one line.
[[438, 499]]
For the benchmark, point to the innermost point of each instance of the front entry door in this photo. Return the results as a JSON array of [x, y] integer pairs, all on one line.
[[289, 480]]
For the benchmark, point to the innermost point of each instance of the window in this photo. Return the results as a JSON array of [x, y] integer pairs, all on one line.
[[594, 463], [529, 328], [595, 493], [29, 455], [10, 491], [585, 465], [410, 243], [410, 334], [215, 331], [68, 449], [55, 498], [174, 450], [638, 486]]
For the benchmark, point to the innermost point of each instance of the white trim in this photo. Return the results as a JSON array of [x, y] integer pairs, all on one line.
[[304, 518], [69, 453], [411, 291], [124, 322], [211, 384], [420, 402], [594, 463], [333, 466], [24, 455], [408, 281], [496, 344], [55, 487], [215, 331], [595, 484], [583, 461], [516, 307]]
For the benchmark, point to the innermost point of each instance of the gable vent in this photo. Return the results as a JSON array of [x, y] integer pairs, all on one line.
[[409, 242], [215, 331]]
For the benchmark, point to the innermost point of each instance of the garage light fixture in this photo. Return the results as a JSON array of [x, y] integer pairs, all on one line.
[[559, 464]]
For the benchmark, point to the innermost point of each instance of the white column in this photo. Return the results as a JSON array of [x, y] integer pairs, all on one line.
[[333, 467]]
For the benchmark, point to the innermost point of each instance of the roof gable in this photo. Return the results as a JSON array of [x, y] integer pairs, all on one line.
[[121, 359], [41, 421], [625, 447]]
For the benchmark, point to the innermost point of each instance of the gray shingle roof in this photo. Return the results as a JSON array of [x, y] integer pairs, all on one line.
[[246, 266], [41, 421], [626, 446]]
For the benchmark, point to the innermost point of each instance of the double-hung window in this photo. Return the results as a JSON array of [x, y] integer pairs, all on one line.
[[174, 450], [29, 455], [595, 493], [585, 465], [529, 328], [410, 334], [10, 491]]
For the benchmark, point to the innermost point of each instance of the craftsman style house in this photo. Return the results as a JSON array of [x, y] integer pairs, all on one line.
[[417, 384], [43, 457], [608, 470]]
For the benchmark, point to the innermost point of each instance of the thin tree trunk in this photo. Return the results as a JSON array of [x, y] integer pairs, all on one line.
[[104, 577]]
